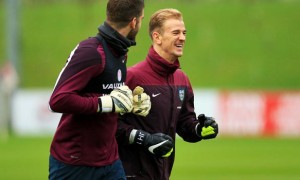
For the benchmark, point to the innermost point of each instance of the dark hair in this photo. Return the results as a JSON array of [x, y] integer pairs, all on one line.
[[121, 12]]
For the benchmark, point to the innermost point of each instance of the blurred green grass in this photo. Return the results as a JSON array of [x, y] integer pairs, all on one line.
[[223, 158], [238, 158], [234, 44]]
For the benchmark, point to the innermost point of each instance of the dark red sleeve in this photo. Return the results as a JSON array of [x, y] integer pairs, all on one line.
[[68, 95], [187, 119]]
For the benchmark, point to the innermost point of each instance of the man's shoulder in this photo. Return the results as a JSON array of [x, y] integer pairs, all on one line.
[[90, 42], [137, 72], [89, 46], [138, 67], [87, 52]]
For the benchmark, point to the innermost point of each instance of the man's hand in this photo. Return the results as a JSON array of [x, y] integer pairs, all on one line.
[[120, 101], [207, 127], [141, 102], [159, 144]]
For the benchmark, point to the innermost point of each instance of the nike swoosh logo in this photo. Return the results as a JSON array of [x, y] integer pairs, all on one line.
[[151, 148], [154, 95]]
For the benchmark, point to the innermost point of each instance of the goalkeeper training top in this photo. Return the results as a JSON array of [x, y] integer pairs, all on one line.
[[172, 111], [95, 67]]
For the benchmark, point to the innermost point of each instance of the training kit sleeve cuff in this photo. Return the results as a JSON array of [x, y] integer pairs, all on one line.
[[105, 104]]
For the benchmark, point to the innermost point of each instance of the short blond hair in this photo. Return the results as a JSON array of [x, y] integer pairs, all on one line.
[[158, 19]]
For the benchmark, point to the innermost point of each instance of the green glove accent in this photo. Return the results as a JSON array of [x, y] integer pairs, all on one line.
[[207, 127], [168, 154], [207, 131]]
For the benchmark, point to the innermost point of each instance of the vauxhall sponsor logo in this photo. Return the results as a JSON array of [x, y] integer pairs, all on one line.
[[112, 86]]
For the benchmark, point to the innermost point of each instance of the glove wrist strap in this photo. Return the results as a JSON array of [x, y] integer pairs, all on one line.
[[132, 136], [105, 104], [139, 137]]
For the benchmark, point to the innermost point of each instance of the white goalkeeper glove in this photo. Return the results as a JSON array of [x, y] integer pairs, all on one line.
[[119, 101], [141, 102], [158, 144]]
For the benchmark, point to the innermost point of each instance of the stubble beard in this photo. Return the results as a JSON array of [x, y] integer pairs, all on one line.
[[132, 34]]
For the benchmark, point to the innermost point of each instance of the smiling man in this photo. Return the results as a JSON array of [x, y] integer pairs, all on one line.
[[146, 143]]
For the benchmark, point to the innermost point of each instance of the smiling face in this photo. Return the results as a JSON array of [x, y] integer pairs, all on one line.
[[168, 34], [171, 39]]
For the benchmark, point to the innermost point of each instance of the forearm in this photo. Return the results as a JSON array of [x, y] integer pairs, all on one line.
[[188, 133], [123, 132], [73, 103]]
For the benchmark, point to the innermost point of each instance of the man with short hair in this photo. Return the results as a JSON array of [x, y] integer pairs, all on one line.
[[147, 144], [90, 92]]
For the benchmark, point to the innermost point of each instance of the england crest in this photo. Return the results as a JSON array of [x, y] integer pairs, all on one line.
[[119, 75]]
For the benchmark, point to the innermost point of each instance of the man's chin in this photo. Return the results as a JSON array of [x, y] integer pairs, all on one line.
[[179, 54]]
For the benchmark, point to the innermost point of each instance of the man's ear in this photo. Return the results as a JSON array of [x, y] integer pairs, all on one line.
[[156, 37], [133, 23]]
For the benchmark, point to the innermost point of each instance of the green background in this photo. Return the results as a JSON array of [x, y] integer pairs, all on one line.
[[231, 44]]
